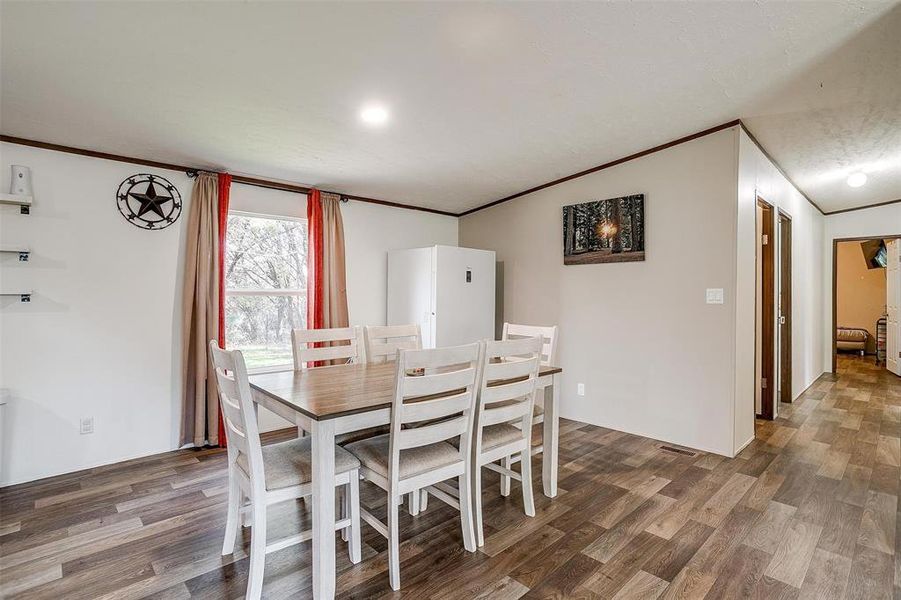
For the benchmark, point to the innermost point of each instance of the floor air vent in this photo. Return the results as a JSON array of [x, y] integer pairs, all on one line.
[[678, 451]]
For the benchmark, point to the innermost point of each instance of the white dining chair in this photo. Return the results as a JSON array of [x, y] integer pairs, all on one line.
[[410, 459], [339, 345], [503, 417], [383, 341], [315, 348], [267, 475], [550, 336]]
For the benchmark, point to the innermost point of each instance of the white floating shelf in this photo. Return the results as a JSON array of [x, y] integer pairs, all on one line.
[[23, 296], [22, 252], [23, 202]]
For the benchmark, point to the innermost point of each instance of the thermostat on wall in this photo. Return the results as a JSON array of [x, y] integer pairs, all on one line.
[[714, 295]]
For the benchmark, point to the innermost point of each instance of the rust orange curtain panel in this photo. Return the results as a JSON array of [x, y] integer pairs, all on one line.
[[224, 181], [326, 278], [203, 304]]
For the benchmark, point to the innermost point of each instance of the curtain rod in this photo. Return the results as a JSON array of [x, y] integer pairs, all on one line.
[[265, 183]]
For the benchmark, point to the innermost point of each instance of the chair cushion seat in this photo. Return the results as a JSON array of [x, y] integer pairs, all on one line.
[[373, 454], [500, 434], [497, 435], [291, 463]]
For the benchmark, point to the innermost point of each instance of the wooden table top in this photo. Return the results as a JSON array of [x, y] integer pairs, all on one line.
[[330, 392]]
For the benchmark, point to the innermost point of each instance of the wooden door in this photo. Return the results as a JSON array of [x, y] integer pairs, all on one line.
[[893, 305], [767, 298], [785, 308]]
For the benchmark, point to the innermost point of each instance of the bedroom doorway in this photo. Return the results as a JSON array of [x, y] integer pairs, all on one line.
[[765, 337], [862, 309], [785, 308]]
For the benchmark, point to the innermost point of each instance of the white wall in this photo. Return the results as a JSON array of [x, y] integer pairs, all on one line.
[[757, 176], [98, 338], [877, 221], [656, 360], [101, 335]]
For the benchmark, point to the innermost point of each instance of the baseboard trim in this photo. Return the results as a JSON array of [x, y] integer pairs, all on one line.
[[745, 445], [649, 436]]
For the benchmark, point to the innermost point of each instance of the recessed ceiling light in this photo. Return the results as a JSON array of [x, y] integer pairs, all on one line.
[[374, 114], [857, 179]]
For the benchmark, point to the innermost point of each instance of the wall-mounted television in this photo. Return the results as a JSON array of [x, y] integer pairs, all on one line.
[[874, 253]]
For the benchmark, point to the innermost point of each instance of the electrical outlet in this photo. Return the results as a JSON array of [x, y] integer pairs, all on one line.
[[86, 425], [580, 389]]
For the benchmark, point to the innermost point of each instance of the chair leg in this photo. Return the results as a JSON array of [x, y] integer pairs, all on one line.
[[414, 502], [257, 550], [476, 503], [343, 494], [466, 518], [525, 462], [353, 504], [231, 522], [507, 463], [246, 515], [393, 544], [423, 499]]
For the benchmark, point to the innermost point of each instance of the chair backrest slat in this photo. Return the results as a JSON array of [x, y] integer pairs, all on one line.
[[510, 368], [432, 433], [426, 410], [450, 403], [434, 383], [548, 334], [507, 388], [501, 414], [238, 414], [503, 393], [383, 341], [334, 346]]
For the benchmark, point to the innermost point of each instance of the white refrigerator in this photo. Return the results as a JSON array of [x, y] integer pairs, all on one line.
[[447, 290]]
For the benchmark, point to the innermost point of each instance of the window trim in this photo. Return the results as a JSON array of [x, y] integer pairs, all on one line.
[[265, 292], [260, 215]]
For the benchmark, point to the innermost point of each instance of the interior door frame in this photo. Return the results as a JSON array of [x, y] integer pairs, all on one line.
[[785, 307], [835, 243], [766, 294]]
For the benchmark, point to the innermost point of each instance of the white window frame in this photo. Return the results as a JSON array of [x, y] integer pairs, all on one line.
[[263, 292]]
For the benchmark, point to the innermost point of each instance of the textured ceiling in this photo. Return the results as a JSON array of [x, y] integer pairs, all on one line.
[[486, 99]]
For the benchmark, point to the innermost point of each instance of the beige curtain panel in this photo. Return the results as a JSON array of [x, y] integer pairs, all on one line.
[[334, 292], [200, 315]]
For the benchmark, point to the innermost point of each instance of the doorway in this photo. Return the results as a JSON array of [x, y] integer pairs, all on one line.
[[765, 311], [785, 308], [862, 300]]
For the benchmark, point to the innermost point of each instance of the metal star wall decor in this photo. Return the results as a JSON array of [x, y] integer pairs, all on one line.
[[149, 201]]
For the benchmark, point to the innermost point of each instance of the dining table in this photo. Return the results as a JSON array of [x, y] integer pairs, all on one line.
[[329, 401]]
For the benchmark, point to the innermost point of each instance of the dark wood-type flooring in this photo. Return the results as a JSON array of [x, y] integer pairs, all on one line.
[[809, 510]]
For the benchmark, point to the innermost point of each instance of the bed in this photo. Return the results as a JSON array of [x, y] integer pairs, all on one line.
[[851, 338]]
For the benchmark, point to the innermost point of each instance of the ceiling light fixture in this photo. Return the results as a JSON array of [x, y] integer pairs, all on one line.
[[374, 115], [857, 179]]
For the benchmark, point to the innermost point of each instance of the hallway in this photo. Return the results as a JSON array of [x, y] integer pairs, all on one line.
[[839, 452]]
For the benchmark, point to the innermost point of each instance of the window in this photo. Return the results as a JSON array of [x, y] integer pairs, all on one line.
[[265, 286]]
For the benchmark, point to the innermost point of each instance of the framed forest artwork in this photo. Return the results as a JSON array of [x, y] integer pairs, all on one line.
[[604, 231]]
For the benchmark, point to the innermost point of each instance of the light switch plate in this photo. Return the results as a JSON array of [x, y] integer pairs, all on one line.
[[714, 295]]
